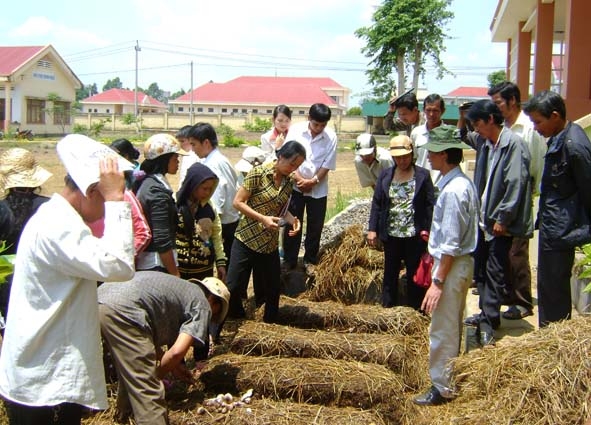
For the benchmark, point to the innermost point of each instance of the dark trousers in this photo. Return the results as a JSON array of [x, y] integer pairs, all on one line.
[[315, 212], [395, 251], [266, 282], [228, 231], [63, 414], [480, 254], [496, 288], [554, 273], [520, 274]]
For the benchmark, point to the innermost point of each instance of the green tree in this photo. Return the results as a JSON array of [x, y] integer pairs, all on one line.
[[86, 91], [496, 77], [178, 94], [155, 92], [131, 119], [61, 111], [403, 36], [355, 110], [115, 83]]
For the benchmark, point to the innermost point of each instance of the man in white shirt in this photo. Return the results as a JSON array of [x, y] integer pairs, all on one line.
[[204, 141], [433, 109], [311, 190], [370, 160], [507, 97], [185, 160], [51, 361]]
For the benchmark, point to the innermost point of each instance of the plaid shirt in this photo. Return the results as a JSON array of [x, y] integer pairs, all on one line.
[[266, 199]]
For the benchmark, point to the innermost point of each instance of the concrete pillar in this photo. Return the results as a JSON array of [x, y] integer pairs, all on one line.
[[523, 61], [576, 75], [509, 59], [7, 106], [543, 49]]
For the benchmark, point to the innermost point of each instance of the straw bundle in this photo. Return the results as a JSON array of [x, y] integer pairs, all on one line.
[[540, 378], [319, 381], [404, 355], [265, 411], [307, 314], [350, 273]]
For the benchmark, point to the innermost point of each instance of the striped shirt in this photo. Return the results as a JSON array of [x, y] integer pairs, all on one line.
[[454, 229], [265, 199]]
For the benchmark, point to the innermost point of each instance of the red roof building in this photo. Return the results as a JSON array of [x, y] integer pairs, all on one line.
[[29, 75], [121, 101], [259, 95], [469, 92]]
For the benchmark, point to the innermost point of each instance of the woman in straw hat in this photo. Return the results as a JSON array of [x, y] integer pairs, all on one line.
[[20, 180], [401, 212]]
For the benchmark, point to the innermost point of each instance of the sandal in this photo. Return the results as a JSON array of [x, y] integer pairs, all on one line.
[[515, 313]]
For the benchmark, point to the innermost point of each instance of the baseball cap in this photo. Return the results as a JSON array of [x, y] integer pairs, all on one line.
[[444, 137], [252, 156], [365, 144]]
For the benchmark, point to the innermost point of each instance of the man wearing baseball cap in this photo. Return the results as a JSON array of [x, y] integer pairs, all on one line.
[[453, 238], [370, 160], [141, 315], [51, 365]]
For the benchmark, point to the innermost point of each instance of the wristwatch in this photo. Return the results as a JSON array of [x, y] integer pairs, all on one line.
[[437, 281]]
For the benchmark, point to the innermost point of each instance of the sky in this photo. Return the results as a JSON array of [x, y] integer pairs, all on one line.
[[226, 39]]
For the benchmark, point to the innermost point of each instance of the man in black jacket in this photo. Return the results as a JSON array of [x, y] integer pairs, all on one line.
[[565, 203]]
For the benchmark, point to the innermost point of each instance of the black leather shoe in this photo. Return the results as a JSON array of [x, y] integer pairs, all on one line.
[[431, 398], [487, 339], [472, 320]]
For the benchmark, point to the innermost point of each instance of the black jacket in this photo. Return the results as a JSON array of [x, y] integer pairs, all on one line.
[[422, 202], [564, 217]]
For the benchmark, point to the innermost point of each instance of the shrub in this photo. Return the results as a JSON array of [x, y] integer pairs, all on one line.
[[260, 125]]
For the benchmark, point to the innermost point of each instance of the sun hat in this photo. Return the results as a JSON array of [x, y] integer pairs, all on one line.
[[400, 145], [81, 156], [365, 144], [443, 138], [252, 156], [219, 289], [161, 144], [19, 168]]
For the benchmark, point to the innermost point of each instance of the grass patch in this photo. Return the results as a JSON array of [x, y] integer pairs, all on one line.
[[341, 200]]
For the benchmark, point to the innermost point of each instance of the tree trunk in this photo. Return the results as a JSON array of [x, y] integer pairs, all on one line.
[[417, 67], [401, 75]]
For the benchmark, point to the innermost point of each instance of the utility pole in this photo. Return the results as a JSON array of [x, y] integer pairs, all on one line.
[[137, 50], [191, 97]]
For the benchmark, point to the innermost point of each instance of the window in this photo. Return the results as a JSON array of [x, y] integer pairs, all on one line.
[[35, 111], [199, 109], [95, 110], [108, 111], [210, 110], [181, 109], [269, 111], [224, 110], [235, 110], [61, 113], [255, 111], [244, 111], [302, 112]]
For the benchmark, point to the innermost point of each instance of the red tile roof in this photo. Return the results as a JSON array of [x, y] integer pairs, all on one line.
[[123, 96], [266, 90], [481, 92], [13, 57]]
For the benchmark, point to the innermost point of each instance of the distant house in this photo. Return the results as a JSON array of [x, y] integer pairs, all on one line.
[[259, 95], [121, 101], [29, 75], [465, 94]]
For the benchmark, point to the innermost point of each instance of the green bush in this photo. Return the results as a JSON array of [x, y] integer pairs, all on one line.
[[260, 125]]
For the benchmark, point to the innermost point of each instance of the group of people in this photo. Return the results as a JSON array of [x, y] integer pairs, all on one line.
[[478, 230], [169, 266]]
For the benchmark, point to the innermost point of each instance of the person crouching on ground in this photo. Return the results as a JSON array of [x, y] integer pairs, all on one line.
[[138, 317], [263, 200]]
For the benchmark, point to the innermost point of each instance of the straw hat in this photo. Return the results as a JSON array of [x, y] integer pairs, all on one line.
[[400, 145], [161, 144], [19, 168], [219, 289]]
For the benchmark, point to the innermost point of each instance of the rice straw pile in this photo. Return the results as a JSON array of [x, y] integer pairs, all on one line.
[[353, 318], [540, 378], [265, 412], [406, 356], [337, 383], [350, 273]]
